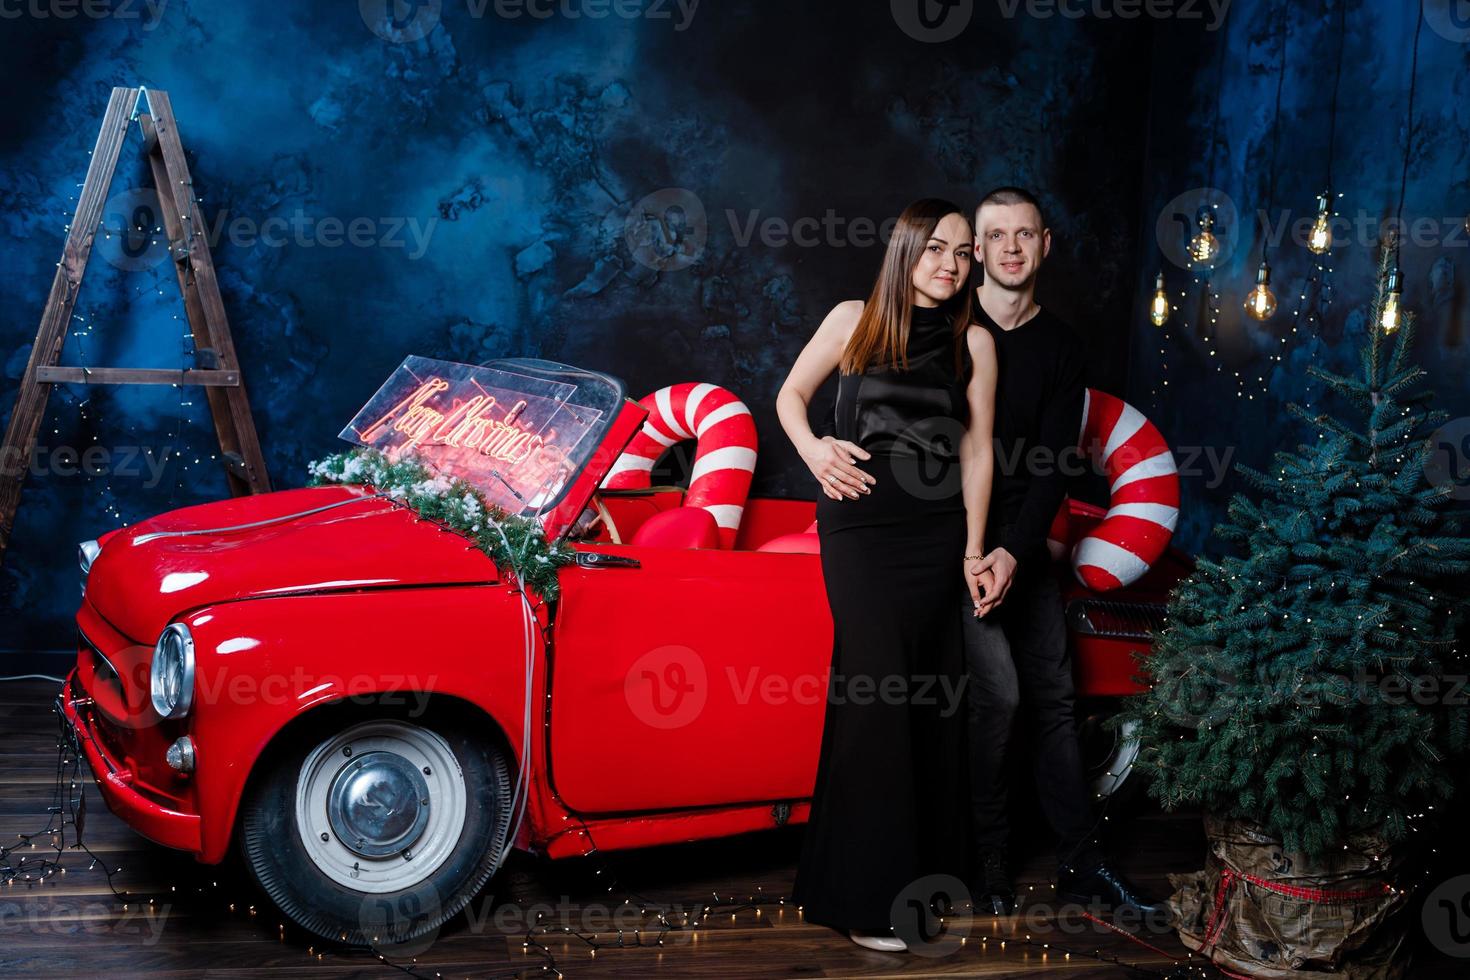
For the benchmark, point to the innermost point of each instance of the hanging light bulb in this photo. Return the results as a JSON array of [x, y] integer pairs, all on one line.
[[1261, 303], [1320, 241], [1390, 318], [1158, 310], [1204, 246]]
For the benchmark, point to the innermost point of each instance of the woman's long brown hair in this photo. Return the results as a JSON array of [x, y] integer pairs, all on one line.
[[882, 332]]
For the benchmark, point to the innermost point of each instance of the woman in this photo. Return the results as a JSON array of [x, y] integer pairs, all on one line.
[[907, 487]]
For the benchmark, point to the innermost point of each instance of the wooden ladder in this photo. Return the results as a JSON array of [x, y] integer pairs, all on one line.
[[189, 248]]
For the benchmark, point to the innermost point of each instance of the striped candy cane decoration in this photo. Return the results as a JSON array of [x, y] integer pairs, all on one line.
[[723, 462], [1143, 505]]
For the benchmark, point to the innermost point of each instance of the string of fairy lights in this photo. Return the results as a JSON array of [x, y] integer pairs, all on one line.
[[63, 835], [68, 809], [659, 918], [142, 236], [86, 423], [1314, 297], [1203, 249], [20, 866]]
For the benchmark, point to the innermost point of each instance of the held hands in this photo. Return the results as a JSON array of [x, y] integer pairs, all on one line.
[[831, 462], [989, 579], [980, 585]]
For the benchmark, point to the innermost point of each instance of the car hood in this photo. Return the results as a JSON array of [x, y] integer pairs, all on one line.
[[320, 539]]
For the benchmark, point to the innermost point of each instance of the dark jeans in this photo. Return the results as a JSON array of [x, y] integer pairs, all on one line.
[[1017, 656]]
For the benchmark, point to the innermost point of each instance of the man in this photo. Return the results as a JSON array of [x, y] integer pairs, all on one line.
[[1017, 649]]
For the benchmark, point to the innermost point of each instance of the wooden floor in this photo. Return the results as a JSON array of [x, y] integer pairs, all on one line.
[[180, 919]]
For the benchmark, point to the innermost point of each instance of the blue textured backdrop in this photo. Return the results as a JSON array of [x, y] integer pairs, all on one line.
[[460, 187]]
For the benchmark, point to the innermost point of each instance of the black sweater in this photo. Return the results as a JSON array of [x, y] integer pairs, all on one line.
[[1038, 423]]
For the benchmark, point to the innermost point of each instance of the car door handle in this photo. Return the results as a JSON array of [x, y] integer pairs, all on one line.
[[596, 559]]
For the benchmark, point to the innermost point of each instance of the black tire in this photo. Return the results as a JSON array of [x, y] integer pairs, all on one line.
[[402, 921], [1103, 748]]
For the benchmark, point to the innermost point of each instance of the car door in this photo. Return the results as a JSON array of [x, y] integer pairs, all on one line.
[[691, 678]]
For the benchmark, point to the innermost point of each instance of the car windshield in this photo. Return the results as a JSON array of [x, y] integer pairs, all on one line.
[[517, 429]]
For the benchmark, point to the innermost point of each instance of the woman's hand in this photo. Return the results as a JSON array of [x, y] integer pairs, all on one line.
[[977, 466], [981, 583], [831, 462], [999, 567]]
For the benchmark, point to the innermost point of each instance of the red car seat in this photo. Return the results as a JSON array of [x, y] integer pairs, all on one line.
[[679, 527], [805, 542]]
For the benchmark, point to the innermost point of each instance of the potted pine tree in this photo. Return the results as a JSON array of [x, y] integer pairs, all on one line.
[[1300, 690]]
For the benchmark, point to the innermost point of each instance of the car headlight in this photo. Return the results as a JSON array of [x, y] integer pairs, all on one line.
[[87, 553], [171, 679]]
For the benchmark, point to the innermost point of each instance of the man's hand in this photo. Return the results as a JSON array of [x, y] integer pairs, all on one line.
[[1001, 565]]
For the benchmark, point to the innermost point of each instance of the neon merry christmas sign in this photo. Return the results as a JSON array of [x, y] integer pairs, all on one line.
[[468, 425], [512, 435]]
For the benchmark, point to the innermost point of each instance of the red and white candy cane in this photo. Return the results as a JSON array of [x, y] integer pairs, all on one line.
[[723, 462], [1143, 504]]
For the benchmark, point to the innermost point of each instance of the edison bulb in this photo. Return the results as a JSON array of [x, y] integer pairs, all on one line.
[[1158, 310], [1261, 303], [1391, 316], [1320, 240], [1204, 246]]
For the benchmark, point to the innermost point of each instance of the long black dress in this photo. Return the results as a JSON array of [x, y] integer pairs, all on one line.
[[891, 796]]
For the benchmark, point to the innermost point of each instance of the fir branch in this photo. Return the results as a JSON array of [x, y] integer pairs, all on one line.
[[516, 544]]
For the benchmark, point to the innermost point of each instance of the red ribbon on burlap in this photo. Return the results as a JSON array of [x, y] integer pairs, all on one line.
[[1229, 876]]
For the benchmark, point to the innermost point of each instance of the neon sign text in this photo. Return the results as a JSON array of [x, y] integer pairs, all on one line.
[[518, 435], [467, 425]]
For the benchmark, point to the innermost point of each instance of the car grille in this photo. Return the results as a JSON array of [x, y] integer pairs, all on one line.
[[1116, 618], [103, 671]]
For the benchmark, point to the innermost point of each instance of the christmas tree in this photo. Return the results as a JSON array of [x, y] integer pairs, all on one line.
[[1308, 682]]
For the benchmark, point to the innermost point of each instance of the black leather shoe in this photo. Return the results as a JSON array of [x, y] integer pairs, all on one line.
[[1102, 885], [994, 894]]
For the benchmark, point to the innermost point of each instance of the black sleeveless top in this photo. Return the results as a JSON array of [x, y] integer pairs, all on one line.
[[919, 412]]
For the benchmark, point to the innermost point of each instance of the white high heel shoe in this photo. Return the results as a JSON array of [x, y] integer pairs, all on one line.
[[883, 942]]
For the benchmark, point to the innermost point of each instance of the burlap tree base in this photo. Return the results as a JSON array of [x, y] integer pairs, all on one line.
[[1259, 912]]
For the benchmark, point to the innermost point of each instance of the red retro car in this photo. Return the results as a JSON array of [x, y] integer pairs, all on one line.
[[358, 700]]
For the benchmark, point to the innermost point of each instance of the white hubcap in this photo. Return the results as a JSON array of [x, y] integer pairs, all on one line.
[[380, 806]]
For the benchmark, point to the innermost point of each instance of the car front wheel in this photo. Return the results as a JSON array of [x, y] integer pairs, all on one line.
[[377, 833]]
